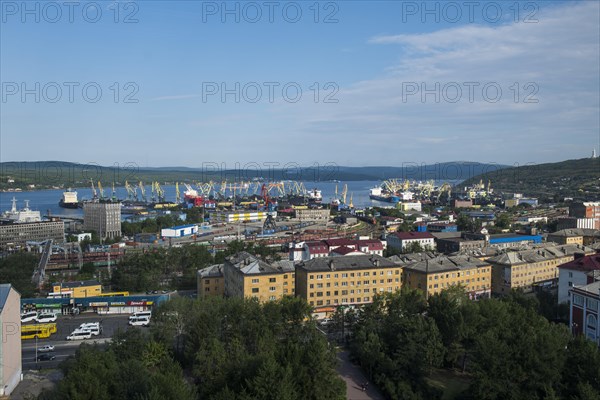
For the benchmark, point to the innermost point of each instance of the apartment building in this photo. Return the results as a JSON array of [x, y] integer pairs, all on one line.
[[211, 281], [245, 275], [533, 267], [349, 280], [304, 251], [582, 271], [432, 275], [566, 236], [10, 339], [584, 311], [401, 240]]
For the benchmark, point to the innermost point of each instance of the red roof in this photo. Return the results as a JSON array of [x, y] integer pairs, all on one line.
[[339, 242], [317, 247], [370, 244], [344, 250], [413, 235], [586, 263]]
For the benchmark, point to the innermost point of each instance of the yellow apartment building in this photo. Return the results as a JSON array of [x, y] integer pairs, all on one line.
[[211, 281], [566, 236], [434, 274], [78, 288], [245, 275], [526, 268], [347, 280]]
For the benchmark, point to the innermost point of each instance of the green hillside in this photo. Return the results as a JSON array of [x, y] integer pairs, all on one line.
[[572, 178]]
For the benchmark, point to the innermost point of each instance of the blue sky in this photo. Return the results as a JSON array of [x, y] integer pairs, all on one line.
[[375, 58]]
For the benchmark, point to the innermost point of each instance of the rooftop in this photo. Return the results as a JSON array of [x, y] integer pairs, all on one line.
[[77, 284], [346, 263], [585, 264], [591, 288], [213, 271], [4, 292], [249, 264], [538, 254], [413, 235], [446, 263]]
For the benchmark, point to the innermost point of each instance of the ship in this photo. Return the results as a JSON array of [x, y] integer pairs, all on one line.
[[69, 199], [379, 194], [314, 196]]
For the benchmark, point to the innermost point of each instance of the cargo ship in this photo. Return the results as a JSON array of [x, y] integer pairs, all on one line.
[[377, 193], [314, 196], [69, 199]]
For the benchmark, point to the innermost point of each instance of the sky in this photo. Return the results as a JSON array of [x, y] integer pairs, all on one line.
[[353, 83]]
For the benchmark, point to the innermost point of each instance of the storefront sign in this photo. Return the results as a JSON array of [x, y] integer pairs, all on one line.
[[99, 304], [139, 303], [117, 303]]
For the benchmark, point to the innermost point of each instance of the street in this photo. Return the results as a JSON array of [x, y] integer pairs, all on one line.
[[65, 348]]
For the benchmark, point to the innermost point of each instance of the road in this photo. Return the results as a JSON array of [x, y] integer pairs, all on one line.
[[354, 378], [64, 348]]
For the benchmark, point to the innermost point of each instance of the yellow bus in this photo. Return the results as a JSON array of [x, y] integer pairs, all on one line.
[[41, 331], [113, 294]]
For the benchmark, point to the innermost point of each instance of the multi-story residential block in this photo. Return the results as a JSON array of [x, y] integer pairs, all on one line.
[[104, 217], [401, 240], [350, 280], [432, 275], [583, 311], [77, 288], [211, 281], [246, 275], [528, 268], [566, 236], [16, 235], [10, 339], [458, 244], [582, 271]]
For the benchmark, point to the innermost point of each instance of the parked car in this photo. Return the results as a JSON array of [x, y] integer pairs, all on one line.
[[79, 335], [46, 348], [46, 357], [45, 318]]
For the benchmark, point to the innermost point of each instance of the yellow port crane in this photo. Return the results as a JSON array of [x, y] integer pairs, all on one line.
[[131, 192], [177, 193], [101, 190], [142, 191]]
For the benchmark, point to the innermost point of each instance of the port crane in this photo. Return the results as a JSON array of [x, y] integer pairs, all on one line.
[[142, 191], [177, 194], [131, 192], [101, 190], [94, 193]]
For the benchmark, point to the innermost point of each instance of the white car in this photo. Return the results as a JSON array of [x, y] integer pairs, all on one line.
[[29, 316], [46, 348], [79, 335], [139, 321], [45, 318]]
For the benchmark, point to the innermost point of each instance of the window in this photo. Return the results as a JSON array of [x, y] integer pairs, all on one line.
[[312, 286], [254, 290], [271, 297], [272, 280], [207, 289], [578, 300], [319, 276], [366, 274], [344, 275], [319, 285], [328, 276], [319, 294], [272, 289], [255, 280], [592, 304], [207, 281], [319, 302]]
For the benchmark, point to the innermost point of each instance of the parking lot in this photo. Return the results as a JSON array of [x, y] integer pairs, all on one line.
[[64, 348]]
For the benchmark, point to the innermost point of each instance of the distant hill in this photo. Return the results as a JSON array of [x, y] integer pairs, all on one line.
[[45, 174], [571, 178]]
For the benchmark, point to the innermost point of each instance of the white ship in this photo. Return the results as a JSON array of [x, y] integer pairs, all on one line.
[[315, 196], [23, 215]]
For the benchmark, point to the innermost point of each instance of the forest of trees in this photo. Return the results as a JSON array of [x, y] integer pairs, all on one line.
[[215, 348], [18, 269], [507, 349]]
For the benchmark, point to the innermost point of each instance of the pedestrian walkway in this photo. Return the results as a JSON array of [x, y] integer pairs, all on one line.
[[354, 378]]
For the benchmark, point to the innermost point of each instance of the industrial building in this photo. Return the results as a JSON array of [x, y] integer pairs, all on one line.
[[179, 231], [14, 236], [240, 216], [103, 217], [313, 214], [11, 368], [586, 210]]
